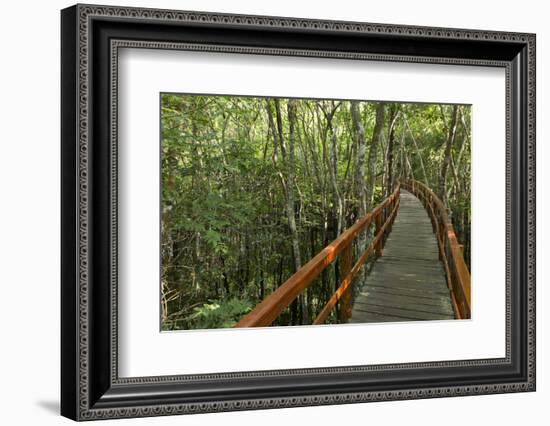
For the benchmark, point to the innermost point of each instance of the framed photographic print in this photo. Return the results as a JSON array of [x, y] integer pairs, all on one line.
[[263, 212]]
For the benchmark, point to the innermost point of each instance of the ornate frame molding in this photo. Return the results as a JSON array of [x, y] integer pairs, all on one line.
[[88, 403]]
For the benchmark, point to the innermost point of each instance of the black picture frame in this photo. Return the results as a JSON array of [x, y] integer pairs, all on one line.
[[90, 386]]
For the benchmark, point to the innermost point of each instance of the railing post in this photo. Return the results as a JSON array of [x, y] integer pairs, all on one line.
[[380, 243], [450, 264], [441, 238], [432, 216], [390, 210], [346, 299]]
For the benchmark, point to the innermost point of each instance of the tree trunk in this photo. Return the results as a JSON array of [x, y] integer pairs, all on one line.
[[389, 156], [337, 198], [376, 136], [447, 155], [418, 153], [337, 202], [287, 184], [291, 110], [360, 187]]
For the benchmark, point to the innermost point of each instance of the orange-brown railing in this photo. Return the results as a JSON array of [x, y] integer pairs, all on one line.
[[450, 251], [272, 306]]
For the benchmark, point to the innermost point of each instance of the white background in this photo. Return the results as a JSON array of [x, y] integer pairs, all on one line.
[[140, 343], [29, 217]]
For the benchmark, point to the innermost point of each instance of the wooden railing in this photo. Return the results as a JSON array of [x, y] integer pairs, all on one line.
[[272, 306], [450, 251]]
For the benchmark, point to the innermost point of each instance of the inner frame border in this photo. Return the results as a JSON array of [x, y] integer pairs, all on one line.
[[117, 44]]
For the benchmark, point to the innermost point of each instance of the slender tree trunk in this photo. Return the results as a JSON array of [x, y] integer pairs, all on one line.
[[278, 142], [466, 136], [401, 143], [405, 164], [360, 187], [418, 153], [376, 137], [360, 184], [389, 156], [447, 155], [338, 205], [291, 111], [410, 173], [383, 154], [280, 272], [261, 270], [337, 202], [457, 186], [337, 197]]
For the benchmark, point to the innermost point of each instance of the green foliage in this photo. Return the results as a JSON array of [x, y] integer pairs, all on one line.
[[378, 193], [220, 314], [225, 233]]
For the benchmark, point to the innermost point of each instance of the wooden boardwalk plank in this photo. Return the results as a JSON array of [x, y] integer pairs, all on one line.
[[416, 313], [440, 303], [404, 292], [407, 283]]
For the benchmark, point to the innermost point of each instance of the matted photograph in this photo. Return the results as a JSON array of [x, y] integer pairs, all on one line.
[[262, 212], [289, 211]]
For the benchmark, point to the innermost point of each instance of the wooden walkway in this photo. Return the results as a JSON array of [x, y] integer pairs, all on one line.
[[407, 282]]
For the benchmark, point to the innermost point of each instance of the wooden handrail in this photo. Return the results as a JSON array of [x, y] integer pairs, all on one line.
[[271, 307], [348, 279], [450, 251]]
